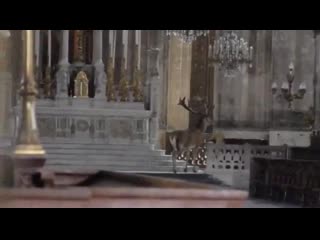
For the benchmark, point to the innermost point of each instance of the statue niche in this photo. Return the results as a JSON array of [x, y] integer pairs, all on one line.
[[81, 85]]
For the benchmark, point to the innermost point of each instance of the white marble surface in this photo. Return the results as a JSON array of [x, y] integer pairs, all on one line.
[[290, 138]]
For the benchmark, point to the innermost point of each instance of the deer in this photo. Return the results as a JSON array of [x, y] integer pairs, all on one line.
[[185, 141]]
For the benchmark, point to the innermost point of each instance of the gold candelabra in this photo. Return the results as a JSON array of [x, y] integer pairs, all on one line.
[[28, 140], [47, 82], [287, 92], [28, 153], [110, 83], [137, 85], [124, 84], [137, 80]]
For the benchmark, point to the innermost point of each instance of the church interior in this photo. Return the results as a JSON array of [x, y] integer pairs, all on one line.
[[212, 110]]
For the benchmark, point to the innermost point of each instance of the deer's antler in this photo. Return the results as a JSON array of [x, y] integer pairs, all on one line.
[[182, 102]]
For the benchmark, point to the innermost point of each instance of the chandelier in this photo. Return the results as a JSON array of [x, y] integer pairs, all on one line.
[[230, 52], [287, 91], [187, 36]]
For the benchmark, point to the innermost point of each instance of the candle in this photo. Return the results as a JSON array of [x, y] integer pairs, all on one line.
[[125, 47], [138, 42], [111, 37], [251, 53], [137, 37], [37, 47], [49, 48], [114, 47], [110, 43]]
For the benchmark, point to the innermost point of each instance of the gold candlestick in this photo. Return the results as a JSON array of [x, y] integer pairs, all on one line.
[[124, 84], [137, 80], [110, 83], [28, 154], [37, 77], [137, 86], [28, 139], [47, 82]]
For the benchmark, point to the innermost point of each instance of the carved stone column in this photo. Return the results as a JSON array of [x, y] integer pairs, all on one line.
[[317, 80], [100, 75], [154, 93], [64, 58], [63, 74]]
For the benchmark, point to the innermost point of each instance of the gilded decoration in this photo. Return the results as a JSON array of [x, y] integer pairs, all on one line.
[[81, 85]]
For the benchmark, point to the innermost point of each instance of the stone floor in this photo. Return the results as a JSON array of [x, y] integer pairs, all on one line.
[[266, 204]]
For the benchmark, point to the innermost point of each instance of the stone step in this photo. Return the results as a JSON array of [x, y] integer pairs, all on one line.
[[124, 157], [113, 162], [78, 168], [97, 146], [135, 152]]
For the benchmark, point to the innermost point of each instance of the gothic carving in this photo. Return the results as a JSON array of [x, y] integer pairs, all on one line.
[[82, 125], [47, 126], [120, 129]]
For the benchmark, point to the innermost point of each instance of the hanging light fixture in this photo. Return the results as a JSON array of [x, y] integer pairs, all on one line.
[[187, 36], [230, 51]]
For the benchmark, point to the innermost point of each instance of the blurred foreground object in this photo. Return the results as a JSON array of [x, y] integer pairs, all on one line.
[[115, 190]]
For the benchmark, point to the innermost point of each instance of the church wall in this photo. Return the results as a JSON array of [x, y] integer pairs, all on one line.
[[244, 100], [231, 93], [179, 72], [295, 46]]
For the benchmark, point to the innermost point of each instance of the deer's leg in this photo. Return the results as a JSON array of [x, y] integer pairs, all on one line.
[[175, 154], [195, 157], [187, 152]]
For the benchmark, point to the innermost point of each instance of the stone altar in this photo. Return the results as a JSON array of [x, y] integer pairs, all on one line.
[[89, 121]]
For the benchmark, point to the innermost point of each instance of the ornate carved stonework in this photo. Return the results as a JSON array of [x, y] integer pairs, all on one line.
[[121, 129], [82, 125]]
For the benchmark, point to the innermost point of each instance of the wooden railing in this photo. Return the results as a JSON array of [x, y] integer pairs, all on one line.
[[291, 181]]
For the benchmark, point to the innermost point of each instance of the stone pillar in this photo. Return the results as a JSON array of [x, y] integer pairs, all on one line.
[[283, 53], [317, 80], [260, 77], [100, 79], [5, 108], [97, 47], [179, 75], [63, 74], [64, 57], [154, 94], [5, 84], [37, 47]]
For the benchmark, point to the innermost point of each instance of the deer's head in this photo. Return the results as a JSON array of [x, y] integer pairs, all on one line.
[[205, 118]]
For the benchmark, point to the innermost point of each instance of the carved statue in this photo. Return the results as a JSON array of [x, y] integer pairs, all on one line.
[[62, 79], [81, 85], [187, 141], [100, 84]]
